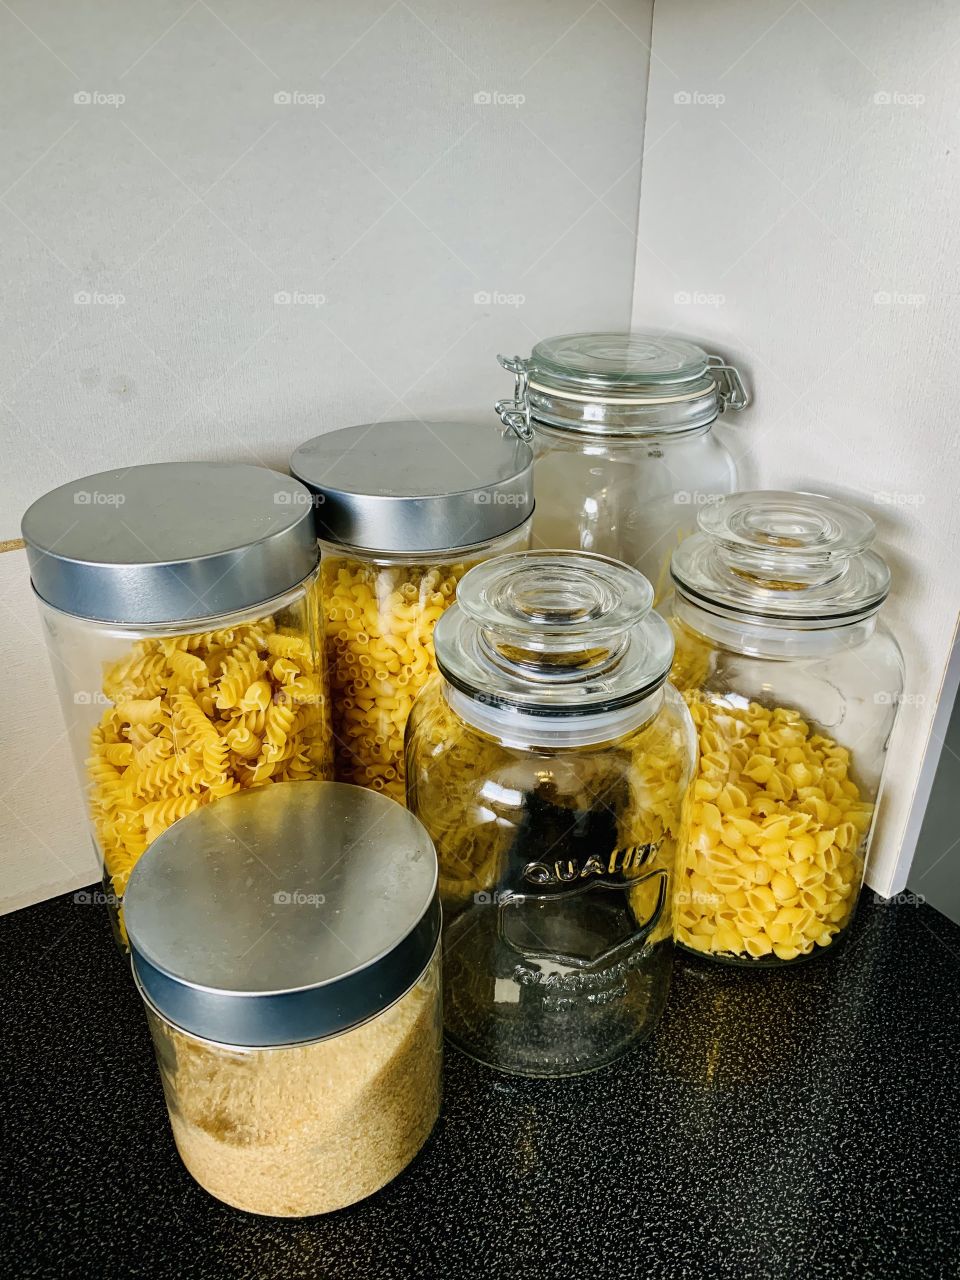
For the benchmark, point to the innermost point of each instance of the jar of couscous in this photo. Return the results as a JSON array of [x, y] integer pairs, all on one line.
[[403, 509], [793, 683], [286, 948], [623, 429], [549, 761], [180, 603]]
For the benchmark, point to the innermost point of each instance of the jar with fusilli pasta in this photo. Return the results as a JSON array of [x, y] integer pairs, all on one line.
[[181, 606], [403, 510], [794, 684]]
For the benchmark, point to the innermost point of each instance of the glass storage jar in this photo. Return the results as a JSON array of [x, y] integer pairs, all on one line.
[[403, 510], [549, 762], [286, 946], [621, 425], [794, 684], [181, 611]]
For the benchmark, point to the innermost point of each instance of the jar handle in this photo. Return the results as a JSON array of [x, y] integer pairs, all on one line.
[[643, 931], [730, 387], [515, 413]]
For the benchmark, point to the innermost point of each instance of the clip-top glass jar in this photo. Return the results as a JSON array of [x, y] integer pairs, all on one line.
[[286, 947], [549, 761], [180, 606], [403, 510], [621, 424], [794, 685]]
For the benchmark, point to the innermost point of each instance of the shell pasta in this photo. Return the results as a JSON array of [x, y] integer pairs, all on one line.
[[772, 859], [195, 717]]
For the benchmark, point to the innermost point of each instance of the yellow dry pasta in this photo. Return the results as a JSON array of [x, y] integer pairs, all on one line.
[[379, 629], [198, 717], [771, 860]]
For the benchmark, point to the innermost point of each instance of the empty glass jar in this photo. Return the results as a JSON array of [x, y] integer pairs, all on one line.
[[181, 611], [621, 425], [403, 510], [549, 761], [794, 683]]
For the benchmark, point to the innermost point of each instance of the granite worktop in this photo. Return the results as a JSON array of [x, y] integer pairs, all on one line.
[[798, 1123]]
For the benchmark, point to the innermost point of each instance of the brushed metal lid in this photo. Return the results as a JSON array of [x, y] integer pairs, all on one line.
[[416, 486], [170, 541], [283, 914]]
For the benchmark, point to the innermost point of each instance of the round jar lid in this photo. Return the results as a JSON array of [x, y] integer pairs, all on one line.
[[416, 486], [559, 633], [170, 542], [618, 363], [787, 557], [283, 914]]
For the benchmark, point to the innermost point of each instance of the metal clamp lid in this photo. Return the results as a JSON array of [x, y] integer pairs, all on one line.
[[515, 413]]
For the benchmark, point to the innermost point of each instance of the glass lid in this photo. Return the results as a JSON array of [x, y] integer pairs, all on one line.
[[785, 556], [554, 633], [616, 361]]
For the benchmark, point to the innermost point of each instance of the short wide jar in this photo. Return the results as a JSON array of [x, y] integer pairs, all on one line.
[[794, 684], [403, 510], [549, 761], [180, 603], [286, 948]]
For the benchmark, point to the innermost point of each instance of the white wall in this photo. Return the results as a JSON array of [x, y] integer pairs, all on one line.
[[800, 185], [199, 198]]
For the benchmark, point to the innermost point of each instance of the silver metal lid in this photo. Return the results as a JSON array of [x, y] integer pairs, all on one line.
[[170, 542], [283, 914], [416, 486]]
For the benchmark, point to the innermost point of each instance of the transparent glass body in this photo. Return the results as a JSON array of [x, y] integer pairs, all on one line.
[[556, 878], [163, 719], [306, 1129], [793, 729], [380, 612], [632, 498]]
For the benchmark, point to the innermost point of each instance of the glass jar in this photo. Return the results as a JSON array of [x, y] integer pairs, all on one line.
[[180, 604], [794, 684], [286, 946], [621, 425], [403, 510], [549, 761]]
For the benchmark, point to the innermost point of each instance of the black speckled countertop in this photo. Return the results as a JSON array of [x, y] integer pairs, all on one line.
[[801, 1123]]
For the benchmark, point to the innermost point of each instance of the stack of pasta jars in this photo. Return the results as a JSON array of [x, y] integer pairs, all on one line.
[[180, 607], [793, 683]]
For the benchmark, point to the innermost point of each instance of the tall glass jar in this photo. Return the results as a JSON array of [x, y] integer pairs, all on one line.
[[403, 510], [549, 761], [794, 684], [295, 1009], [622, 429], [180, 603]]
